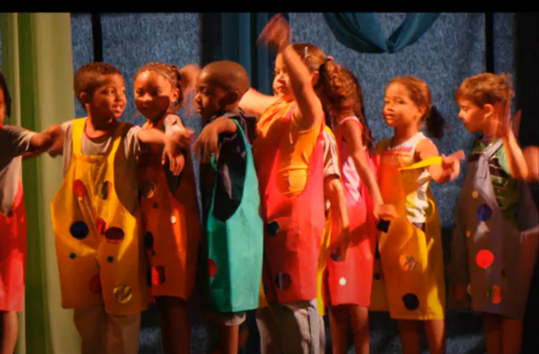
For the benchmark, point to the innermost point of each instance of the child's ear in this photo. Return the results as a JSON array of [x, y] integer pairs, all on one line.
[[315, 77], [84, 98], [233, 97], [489, 110]]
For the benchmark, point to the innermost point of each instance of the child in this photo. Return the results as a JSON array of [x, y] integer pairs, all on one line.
[[96, 220], [289, 159], [349, 283], [232, 261], [168, 203], [14, 142], [335, 235], [496, 222], [410, 248]]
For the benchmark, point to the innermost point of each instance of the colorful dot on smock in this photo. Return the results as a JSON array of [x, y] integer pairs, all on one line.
[[72, 255], [173, 219], [122, 293], [104, 191], [496, 294], [483, 212], [484, 258], [411, 302], [79, 230], [110, 259], [148, 188], [272, 228], [212, 267], [334, 255], [114, 235], [155, 205], [148, 240], [377, 276], [158, 275], [407, 262], [342, 281], [79, 188], [283, 281], [475, 194], [95, 285], [101, 226]]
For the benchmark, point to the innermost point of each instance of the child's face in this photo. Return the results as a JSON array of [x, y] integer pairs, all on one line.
[[472, 116], [210, 99], [399, 109], [281, 81], [154, 94], [2, 107], [108, 100]]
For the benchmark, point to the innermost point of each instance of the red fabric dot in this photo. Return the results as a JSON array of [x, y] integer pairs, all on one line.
[[79, 188], [484, 258], [212, 267], [114, 235]]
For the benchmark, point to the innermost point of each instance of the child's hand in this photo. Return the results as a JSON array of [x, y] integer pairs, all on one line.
[[504, 124], [384, 211], [207, 142], [344, 244], [189, 75], [54, 137], [276, 34], [451, 164], [173, 150]]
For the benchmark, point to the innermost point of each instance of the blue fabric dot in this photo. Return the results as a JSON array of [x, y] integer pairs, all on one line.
[[411, 302], [334, 255], [283, 281], [79, 230], [483, 212], [272, 228], [148, 240]]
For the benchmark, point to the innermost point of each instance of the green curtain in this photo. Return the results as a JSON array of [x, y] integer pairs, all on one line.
[[361, 32], [36, 60], [239, 32]]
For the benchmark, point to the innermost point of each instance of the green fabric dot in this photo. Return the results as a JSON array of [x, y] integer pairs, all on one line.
[[72, 255], [110, 259]]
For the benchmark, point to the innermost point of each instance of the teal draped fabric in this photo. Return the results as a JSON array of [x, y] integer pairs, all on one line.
[[361, 31]]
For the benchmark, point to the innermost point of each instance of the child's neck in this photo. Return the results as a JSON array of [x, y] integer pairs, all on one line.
[[156, 123], [96, 128], [488, 133], [401, 134]]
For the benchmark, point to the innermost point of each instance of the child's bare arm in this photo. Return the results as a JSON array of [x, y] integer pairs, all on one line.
[[255, 103], [445, 172], [172, 145], [352, 134], [333, 191], [207, 142], [309, 112]]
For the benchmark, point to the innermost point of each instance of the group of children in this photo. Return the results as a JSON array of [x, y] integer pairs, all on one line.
[[301, 214]]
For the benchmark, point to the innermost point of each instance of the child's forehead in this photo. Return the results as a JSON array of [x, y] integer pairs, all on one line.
[[397, 89], [110, 80]]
